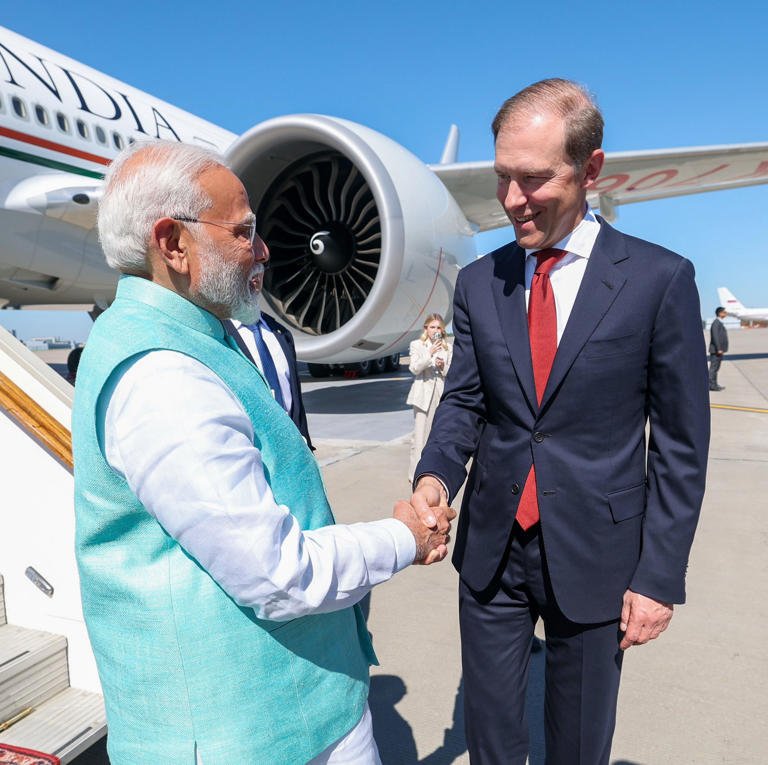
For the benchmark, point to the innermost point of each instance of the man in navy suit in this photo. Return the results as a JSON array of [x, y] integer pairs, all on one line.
[[275, 341], [568, 515]]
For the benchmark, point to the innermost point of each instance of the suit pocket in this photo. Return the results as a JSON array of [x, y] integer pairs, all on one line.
[[613, 346], [627, 503]]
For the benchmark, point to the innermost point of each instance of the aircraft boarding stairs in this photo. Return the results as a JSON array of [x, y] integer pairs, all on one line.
[[38, 708], [44, 647]]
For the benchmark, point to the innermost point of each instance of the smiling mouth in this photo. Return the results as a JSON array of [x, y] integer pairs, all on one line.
[[524, 218]]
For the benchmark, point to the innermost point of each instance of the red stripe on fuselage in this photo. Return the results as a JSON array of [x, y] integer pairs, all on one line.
[[53, 146]]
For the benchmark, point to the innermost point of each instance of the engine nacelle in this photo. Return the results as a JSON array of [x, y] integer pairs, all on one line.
[[364, 239]]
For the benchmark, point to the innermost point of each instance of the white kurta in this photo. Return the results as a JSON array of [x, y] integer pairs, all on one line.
[[194, 467]]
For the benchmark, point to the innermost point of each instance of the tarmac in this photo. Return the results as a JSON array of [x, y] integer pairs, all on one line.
[[696, 695]]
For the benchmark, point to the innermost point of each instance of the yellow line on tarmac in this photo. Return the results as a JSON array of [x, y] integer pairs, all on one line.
[[739, 408]]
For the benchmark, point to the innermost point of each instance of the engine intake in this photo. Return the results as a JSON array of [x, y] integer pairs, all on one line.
[[322, 227], [364, 239]]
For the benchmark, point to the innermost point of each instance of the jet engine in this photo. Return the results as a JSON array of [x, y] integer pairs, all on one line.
[[364, 239]]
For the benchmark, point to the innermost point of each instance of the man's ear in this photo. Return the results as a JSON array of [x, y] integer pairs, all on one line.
[[592, 168], [168, 241]]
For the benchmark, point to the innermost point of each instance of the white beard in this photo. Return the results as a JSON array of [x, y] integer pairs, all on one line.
[[222, 284]]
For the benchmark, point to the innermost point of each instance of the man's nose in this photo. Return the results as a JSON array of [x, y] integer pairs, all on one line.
[[513, 196], [260, 250]]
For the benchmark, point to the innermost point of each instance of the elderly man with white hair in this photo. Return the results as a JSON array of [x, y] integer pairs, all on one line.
[[218, 593]]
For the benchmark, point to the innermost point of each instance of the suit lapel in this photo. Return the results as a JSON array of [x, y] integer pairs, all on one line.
[[284, 341], [508, 287], [600, 286], [230, 329]]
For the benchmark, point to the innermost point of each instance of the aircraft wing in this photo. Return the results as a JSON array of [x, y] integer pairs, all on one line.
[[628, 176], [57, 195]]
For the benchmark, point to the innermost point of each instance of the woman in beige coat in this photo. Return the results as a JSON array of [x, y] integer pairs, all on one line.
[[430, 359]]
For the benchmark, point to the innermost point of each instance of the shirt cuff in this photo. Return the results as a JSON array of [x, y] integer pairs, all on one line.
[[403, 543], [437, 478]]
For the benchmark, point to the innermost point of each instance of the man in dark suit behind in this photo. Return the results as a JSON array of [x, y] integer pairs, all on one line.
[[600, 546], [277, 341], [718, 346]]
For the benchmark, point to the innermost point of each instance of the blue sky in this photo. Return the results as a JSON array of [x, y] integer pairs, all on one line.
[[666, 74]]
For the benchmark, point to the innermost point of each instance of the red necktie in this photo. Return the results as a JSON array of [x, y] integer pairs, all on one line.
[[542, 331]]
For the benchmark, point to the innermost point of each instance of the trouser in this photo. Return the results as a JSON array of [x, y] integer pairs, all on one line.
[[355, 748], [714, 366], [422, 424], [583, 667]]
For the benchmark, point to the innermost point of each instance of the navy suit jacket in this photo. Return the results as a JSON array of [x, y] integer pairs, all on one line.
[[632, 352], [285, 338]]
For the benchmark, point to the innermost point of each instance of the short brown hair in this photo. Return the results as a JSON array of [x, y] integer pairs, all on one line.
[[567, 99]]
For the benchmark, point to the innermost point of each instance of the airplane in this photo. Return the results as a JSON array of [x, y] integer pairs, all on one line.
[[736, 308], [365, 238]]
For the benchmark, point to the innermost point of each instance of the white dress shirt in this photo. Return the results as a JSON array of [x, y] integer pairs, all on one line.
[[566, 275], [275, 351], [184, 444]]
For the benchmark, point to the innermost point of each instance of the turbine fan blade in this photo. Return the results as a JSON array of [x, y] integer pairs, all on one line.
[[320, 221]]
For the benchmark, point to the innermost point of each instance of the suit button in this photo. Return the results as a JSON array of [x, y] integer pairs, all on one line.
[[515, 488], [538, 436]]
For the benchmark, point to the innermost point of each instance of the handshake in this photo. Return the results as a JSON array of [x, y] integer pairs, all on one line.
[[428, 518]]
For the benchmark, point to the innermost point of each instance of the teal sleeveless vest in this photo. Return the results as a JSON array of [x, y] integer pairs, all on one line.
[[180, 663]]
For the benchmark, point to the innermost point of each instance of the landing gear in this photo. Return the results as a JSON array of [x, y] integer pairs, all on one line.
[[358, 369], [319, 370], [393, 362], [378, 366]]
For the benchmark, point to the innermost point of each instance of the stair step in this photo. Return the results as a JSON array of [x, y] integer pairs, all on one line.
[[33, 668], [65, 725]]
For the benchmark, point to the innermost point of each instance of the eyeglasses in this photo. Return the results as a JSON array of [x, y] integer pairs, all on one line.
[[245, 230]]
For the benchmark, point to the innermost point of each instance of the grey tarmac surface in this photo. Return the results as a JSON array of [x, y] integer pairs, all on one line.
[[696, 696]]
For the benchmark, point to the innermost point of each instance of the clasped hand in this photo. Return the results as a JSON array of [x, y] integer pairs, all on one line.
[[431, 530], [429, 519]]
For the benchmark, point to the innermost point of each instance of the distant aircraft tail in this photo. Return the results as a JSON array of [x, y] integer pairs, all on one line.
[[729, 301]]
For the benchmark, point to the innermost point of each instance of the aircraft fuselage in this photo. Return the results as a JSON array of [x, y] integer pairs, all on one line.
[[61, 123]]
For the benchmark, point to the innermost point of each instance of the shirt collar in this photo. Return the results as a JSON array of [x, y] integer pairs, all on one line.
[[581, 240], [238, 324]]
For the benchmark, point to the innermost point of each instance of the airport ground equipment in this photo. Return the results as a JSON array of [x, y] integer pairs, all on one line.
[[50, 697], [39, 710]]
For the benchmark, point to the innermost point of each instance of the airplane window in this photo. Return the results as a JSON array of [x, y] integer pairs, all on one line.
[[42, 115], [117, 140], [101, 135], [62, 122], [2, 104], [82, 129], [19, 107]]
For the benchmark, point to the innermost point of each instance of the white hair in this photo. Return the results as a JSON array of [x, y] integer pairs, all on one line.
[[165, 183]]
